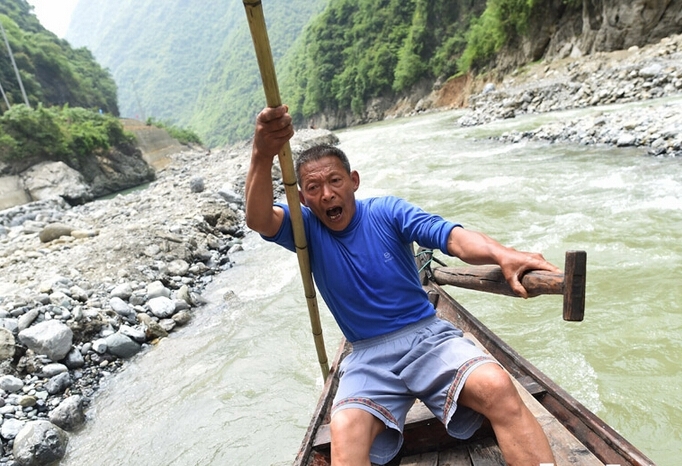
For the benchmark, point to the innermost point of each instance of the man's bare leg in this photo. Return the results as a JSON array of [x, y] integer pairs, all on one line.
[[490, 391], [353, 431]]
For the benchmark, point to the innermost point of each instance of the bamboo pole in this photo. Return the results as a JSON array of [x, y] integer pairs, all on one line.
[[261, 43]]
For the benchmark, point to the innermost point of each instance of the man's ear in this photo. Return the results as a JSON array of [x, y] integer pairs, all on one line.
[[301, 198], [355, 177]]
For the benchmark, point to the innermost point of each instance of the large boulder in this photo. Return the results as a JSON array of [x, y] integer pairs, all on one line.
[[39, 443], [12, 192], [100, 174], [50, 337], [51, 179], [69, 415], [117, 169]]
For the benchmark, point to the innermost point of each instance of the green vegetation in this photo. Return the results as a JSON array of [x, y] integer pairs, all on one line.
[[232, 94], [360, 49], [60, 83], [183, 135], [501, 20], [66, 134], [488, 33], [52, 72]]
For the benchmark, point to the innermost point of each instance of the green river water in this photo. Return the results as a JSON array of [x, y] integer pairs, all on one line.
[[238, 385]]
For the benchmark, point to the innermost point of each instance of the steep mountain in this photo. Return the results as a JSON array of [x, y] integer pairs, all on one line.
[[560, 28], [358, 51], [189, 62], [340, 62], [52, 72]]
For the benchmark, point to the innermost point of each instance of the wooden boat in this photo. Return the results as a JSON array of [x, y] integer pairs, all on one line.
[[577, 436]]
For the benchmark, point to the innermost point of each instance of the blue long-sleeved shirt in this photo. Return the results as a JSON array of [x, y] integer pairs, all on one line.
[[366, 273]]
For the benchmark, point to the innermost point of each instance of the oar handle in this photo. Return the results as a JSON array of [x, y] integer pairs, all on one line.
[[261, 43], [489, 278]]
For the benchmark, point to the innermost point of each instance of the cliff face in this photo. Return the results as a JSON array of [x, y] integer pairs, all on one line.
[[609, 25], [558, 30]]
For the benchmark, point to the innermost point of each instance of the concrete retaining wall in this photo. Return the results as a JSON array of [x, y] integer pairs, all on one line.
[[155, 143]]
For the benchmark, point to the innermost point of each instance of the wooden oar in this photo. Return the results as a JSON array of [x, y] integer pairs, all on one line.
[[261, 42], [489, 278]]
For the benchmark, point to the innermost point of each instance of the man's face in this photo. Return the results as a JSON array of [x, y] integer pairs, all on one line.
[[329, 191]]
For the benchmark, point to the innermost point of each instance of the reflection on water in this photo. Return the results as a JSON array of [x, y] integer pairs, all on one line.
[[239, 384]]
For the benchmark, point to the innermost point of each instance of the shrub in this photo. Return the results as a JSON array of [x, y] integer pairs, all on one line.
[[7, 145], [88, 131], [35, 132], [71, 135]]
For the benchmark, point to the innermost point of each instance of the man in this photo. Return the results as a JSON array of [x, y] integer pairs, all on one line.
[[360, 253]]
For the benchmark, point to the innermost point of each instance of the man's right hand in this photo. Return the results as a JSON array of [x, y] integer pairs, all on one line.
[[273, 130]]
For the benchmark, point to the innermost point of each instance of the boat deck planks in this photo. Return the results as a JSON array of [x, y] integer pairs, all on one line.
[[424, 459]]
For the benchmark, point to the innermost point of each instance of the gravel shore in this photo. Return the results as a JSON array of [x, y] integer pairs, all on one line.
[[651, 75]]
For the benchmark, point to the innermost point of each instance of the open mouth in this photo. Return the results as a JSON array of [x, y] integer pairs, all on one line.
[[334, 213]]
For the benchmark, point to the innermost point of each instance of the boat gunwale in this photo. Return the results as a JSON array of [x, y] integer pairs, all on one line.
[[600, 438], [597, 436]]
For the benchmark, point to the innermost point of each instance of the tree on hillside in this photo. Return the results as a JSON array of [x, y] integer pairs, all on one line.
[[357, 50], [52, 72]]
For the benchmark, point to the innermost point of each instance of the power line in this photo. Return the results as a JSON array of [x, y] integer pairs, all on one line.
[[14, 64], [4, 96]]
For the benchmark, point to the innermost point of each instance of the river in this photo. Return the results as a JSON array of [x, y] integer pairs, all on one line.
[[238, 385]]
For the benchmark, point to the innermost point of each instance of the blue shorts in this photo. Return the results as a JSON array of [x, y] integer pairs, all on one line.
[[429, 360]]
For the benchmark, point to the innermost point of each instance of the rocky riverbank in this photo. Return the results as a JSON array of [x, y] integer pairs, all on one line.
[[84, 288], [605, 79]]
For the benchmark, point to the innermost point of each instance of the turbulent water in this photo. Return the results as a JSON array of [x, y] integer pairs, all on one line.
[[238, 386]]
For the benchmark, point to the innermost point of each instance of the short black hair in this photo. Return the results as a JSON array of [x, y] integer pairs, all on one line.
[[318, 152]]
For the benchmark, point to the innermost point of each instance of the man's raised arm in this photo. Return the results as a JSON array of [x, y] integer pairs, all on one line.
[[273, 130]]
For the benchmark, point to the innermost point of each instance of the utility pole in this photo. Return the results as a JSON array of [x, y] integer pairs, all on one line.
[[4, 96], [14, 64]]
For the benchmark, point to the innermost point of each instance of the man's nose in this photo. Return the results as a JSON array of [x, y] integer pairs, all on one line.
[[327, 192]]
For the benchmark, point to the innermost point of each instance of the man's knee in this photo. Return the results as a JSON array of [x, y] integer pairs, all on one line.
[[352, 433], [489, 389], [341, 422], [354, 423]]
